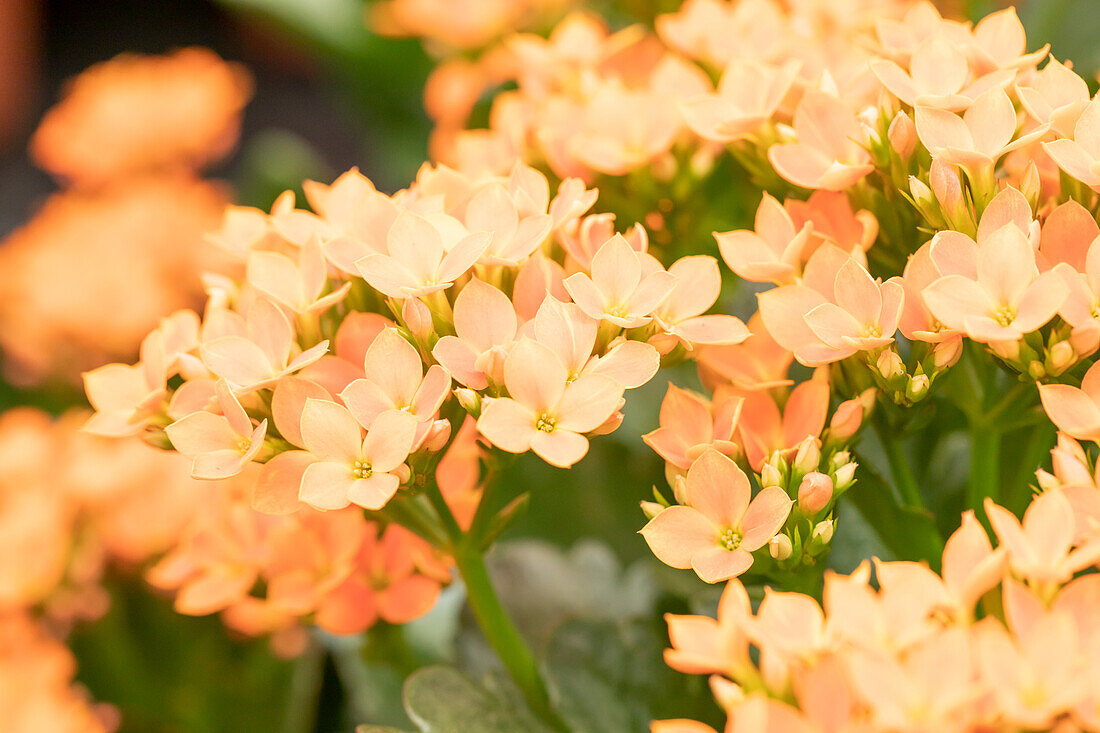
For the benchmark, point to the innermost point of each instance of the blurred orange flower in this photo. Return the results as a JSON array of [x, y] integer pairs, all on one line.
[[134, 114], [93, 272]]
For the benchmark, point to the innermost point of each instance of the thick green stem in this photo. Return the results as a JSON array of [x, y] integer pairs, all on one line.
[[502, 634], [498, 628]]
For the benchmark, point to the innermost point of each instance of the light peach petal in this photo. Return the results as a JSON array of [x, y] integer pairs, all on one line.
[[459, 358], [717, 564], [677, 534], [765, 516], [587, 403], [407, 599], [279, 483], [561, 448], [484, 316], [325, 485], [288, 401], [952, 299], [508, 425], [534, 375], [389, 440], [330, 431], [718, 489], [372, 493], [201, 432]]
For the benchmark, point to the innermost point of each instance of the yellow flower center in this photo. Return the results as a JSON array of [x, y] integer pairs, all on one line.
[[243, 444], [872, 331], [361, 469], [730, 539], [545, 423], [1004, 315], [617, 311]]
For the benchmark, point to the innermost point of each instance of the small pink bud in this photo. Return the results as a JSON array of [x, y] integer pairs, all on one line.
[[417, 317], [946, 353], [780, 547], [947, 186], [815, 492], [1031, 185], [902, 135], [846, 420], [679, 489], [438, 435]]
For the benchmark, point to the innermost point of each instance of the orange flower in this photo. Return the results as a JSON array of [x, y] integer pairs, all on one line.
[[139, 113]]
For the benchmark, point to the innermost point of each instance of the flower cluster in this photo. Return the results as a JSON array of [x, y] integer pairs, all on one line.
[[1000, 639], [542, 315]]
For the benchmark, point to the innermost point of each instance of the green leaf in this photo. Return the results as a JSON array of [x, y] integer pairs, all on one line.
[[443, 700]]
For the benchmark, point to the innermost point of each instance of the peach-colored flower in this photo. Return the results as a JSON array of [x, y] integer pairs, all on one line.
[[423, 257], [1039, 549], [998, 42], [396, 380], [257, 350], [1079, 156], [978, 139], [698, 284], [485, 326], [764, 429], [295, 285], [772, 251], [691, 424], [828, 153], [137, 113], [1076, 411], [583, 237], [748, 95], [703, 645], [1055, 95], [756, 363], [719, 528], [625, 286], [971, 566], [515, 237], [344, 365], [544, 412], [571, 334], [385, 584], [219, 445], [938, 77], [348, 467], [715, 31], [127, 397], [833, 221], [1006, 298], [856, 313]]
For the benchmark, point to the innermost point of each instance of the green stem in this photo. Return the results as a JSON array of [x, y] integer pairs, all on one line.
[[904, 479], [502, 635], [985, 463]]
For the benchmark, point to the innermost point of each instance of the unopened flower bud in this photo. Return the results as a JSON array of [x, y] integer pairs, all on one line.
[[846, 420], [840, 458], [438, 435], [727, 694], [651, 509], [417, 318], [815, 492], [1031, 185], [1007, 350], [845, 476], [1036, 370], [679, 488], [917, 387], [902, 135], [823, 532], [1047, 481], [1060, 357], [946, 354], [779, 547], [889, 365], [470, 401], [947, 186], [771, 475], [925, 201], [808, 455]]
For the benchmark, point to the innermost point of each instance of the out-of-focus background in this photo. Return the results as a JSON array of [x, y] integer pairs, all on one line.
[[98, 222]]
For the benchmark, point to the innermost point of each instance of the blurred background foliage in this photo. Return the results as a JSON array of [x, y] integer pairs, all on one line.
[[330, 95]]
